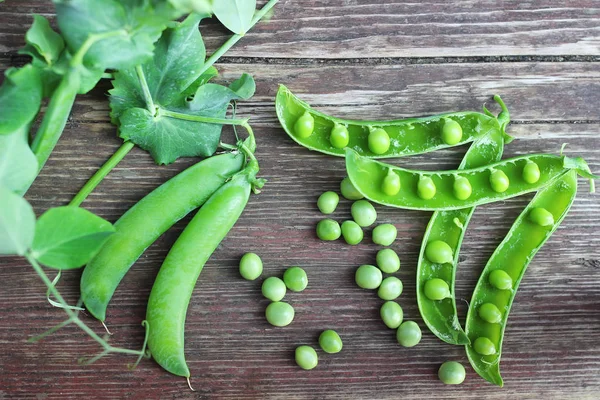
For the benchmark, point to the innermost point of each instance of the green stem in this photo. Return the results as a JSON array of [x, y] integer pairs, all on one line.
[[145, 89], [235, 38], [200, 118], [101, 173]]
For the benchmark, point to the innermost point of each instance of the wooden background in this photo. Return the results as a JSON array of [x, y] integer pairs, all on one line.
[[358, 59]]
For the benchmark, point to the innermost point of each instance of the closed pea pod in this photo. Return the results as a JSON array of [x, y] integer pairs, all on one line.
[[172, 289]]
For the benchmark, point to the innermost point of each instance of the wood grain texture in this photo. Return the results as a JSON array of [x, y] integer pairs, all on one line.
[[551, 344]]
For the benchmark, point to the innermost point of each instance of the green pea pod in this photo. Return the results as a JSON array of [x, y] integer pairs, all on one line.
[[490, 183], [381, 139], [491, 302], [441, 316], [172, 290], [142, 224]]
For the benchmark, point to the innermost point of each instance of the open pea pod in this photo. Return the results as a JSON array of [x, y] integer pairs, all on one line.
[[456, 189], [382, 139], [495, 291]]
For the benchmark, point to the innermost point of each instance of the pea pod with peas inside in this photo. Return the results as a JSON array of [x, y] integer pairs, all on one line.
[[487, 184], [380, 139], [495, 291]]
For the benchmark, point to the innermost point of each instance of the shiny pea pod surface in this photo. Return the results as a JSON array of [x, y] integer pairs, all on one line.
[[379, 139], [366, 175], [512, 257], [449, 227]]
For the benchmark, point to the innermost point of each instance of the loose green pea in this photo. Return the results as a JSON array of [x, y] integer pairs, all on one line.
[[306, 357], [339, 137], [368, 277], [426, 188], [352, 232], [384, 234], [462, 188], [452, 373], [439, 252], [391, 183], [390, 288], [490, 313], [391, 313], [379, 140], [328, 202], [305, 125], [484, 346], [408, 334], [330, 341], [500, 280], [328, 229], [295, 279], [499, 181], [436, 289], [251, 266], [541, 216], [451, 132], [388, 261], [363, 213], [349, 191], [273, 288], [279, 313], [531, 172]]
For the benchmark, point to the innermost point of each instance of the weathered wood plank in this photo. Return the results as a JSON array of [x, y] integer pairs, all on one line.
[[367, 29]]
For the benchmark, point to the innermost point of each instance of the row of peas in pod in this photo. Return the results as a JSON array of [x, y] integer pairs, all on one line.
[[482, 177], [279, 313]]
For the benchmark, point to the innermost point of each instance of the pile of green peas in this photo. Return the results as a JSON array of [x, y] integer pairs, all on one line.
[[329, 341]]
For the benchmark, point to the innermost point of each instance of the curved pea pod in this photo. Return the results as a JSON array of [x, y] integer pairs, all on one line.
[[143, 223], [441, 316], [490, 305], [405, 136], [367, 176], [172, 289]]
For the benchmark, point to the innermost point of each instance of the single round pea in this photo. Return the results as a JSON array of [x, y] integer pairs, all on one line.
[[349, 191], [391, 183], [452, 373], [328, 202], [306, 357], [295, 279], [251, 266], [451, 132], [305, 125], [541, 217], [500, 280], [439, 252], [489, 313], [426, 188], [328, 229], [390, 288], [436, 289], [391, 313], [352, 232], [273, 288], [499, 181], [363, 213], [484, 346], [462, 188], [339, 137], [330, 341], [388, 261], [368, 277], [279, 313], [408, 334], [531, 172], [378, 140], [384, 234]]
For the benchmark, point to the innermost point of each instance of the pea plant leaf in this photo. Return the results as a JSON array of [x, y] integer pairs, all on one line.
[[197, 6], [18, 165], [17, 223], [68, 237], [43, 40], [236, 15], [20, 98]]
